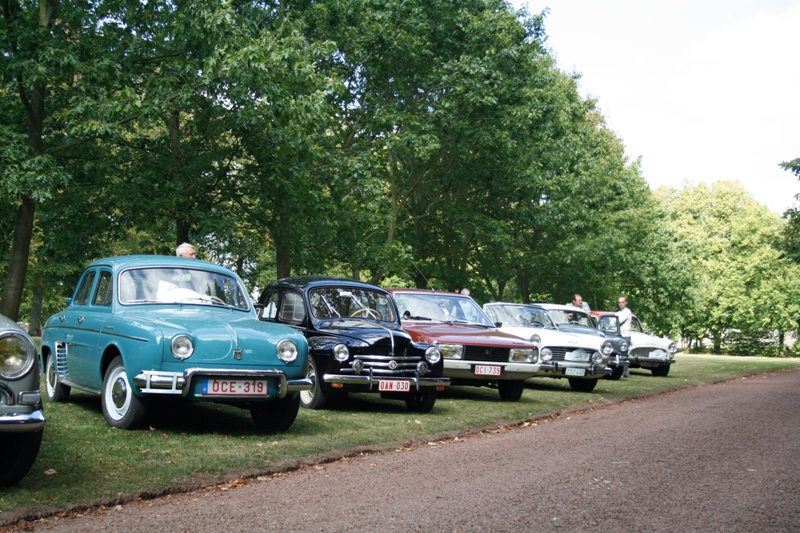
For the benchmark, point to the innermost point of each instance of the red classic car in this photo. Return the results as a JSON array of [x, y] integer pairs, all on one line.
[[475, 352]]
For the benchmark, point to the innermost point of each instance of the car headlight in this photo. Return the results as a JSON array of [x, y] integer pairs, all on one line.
[[673, 348], [433, 355], [546, 354], [341, 353], [597, 358], [522, 355], [287, 351], [452, 351], [536, 339], [607, 348], [182, 347], [623, 346], [17, 355]]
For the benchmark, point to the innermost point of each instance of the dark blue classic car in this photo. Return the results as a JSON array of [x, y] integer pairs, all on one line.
[[142, 327], [355, 341], [21, 416]]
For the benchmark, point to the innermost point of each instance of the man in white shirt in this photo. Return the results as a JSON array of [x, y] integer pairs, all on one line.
[[625, 317], [577, 301]]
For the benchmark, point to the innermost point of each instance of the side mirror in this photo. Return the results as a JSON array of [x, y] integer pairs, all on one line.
[[68, 300], [498, 324], [259, 309]]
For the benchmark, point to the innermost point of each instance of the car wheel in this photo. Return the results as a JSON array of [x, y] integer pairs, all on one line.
[[421, 402], [121, 407], [616, 373], [317, 396], [276, 415], [582, 385], [56, 392], [660, 371], [18, 452], [510, 391]]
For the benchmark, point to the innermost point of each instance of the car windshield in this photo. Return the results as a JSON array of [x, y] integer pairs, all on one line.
[[350, 302], [441, 307], [158, 285], [576, 317], [520, 316]]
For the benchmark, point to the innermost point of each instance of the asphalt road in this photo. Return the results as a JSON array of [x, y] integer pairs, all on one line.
[[723, 457]]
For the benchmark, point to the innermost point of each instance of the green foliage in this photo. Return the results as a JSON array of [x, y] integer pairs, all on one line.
[[744, 287]]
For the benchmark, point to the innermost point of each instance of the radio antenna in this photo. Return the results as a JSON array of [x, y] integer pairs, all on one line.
[[423, 277]]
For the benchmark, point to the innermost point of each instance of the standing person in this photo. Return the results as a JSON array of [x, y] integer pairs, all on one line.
[[625, 318], [186, 250], [465, 292], [577, 301]]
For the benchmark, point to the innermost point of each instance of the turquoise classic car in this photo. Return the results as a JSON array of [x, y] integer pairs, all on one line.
[[142, 327]]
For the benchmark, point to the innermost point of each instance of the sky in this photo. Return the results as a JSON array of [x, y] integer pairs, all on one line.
[[702, 91]]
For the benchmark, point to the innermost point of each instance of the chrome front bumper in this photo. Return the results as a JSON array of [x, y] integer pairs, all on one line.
[[559, 369], [157, 382], [22, 422], [370, 380]]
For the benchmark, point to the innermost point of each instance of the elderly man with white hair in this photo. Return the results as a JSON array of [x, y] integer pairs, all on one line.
[[186, 250]]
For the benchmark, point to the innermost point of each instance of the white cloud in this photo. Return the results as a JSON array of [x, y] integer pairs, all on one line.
[[702, 90]]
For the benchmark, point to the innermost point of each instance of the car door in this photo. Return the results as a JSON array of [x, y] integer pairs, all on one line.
[[79, 341], [95, 323]]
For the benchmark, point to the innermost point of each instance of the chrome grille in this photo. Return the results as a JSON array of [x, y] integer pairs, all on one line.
[[494, 354], [406, 365], [644, 352]]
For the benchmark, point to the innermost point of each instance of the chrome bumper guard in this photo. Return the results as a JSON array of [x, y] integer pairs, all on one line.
[[22, 422], [157, 382], [618, 360], [593, 370], [370, 380]]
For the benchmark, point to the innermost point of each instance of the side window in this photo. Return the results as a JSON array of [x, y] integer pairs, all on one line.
[[270, 303], [105, 289], [82, 294], [292, 310], [636, 325]]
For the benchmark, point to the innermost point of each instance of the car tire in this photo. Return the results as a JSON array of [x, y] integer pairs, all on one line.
[[56, 392], [660, 371], [511, 391], [317, 396], [276, 415], [421, 402], [122, 409], [616, 373], [18, 452], [582, 385]]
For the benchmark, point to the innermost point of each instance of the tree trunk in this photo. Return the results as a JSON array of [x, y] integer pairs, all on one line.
[[524, 288], [35, 324], [283, 242], [23, 228], [18, 262]]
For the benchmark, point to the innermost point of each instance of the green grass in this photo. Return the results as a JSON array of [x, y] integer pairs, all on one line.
[[84, 462]]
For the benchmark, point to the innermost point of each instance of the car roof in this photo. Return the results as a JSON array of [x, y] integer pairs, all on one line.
[[537, 306], [309, 281], [559, 307], [428, 291], [128, 261]]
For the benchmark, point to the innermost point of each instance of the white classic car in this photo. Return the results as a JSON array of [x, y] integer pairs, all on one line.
[[582, 359], [646, 351]]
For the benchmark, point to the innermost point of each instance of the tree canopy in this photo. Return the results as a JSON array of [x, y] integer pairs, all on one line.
[[421, 143]]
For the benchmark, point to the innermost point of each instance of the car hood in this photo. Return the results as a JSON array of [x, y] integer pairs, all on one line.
[[643, 340], [580, 330], [365, 333], [446, 333], [556, 338], [218, 333]]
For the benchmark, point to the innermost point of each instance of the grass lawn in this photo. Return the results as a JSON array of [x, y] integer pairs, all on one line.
[[84, 462]]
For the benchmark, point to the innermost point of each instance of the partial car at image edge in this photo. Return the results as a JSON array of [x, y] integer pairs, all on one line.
[[22, 418]]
